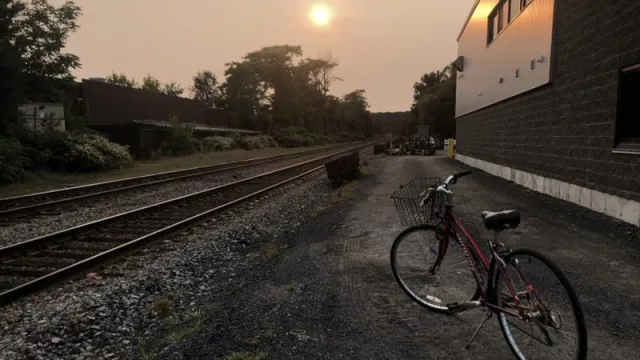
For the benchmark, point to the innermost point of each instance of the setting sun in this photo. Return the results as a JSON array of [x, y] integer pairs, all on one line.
[[320, 15]]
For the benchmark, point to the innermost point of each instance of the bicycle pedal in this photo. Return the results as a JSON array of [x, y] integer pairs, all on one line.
[[455, 307], [459, 307]]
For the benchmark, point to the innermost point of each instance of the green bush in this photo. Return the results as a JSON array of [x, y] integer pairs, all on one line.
[[180, 140], [13, 161], [218, 143], [58, 151], [256, 142], [79, 153], [108, 155], [293, 137]]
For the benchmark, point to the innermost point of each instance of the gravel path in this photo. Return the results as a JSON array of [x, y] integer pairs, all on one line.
[[305, 275], [334, 281], [130, 200]]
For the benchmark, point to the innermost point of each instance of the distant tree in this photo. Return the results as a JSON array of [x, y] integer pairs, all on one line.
[[172, 89], [121, 79], [205, 88], [275, 88], [434, 102], [150, 83], [391, 122], [42, 33], [34, 35]]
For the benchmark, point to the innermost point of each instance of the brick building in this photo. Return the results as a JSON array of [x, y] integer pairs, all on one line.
[[546, 97]]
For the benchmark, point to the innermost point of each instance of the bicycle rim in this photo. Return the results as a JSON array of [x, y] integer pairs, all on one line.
[[552, 321], [411, 261]]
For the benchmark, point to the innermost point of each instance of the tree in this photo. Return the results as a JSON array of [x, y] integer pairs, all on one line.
[[205, 88], [149, 83], [34, 35], [121, 79], [434, 103], [43, 31], [356, 112], [172, 89], [391, 122], [275, 89]]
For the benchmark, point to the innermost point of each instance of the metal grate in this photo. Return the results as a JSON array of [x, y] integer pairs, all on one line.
[[407, 201]]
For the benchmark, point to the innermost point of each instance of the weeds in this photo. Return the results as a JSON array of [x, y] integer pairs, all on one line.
[[144, 353], [163, 306], [269, 251], [244, 356], [292, 287], [344, 192]]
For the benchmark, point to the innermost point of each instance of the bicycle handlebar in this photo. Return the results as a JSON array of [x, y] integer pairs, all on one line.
[[452, 179]]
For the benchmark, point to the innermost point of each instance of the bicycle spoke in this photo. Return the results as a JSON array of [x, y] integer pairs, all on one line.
[[543, 308], [526, 332]]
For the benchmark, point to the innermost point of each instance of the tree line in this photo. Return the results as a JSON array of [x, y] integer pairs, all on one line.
[[275, 88], [433, 104]]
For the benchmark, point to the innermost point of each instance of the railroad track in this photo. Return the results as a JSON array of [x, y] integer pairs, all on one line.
[[31, 265], [21, 206]]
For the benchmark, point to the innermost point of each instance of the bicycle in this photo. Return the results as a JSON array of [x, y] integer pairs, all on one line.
[[430, 212]]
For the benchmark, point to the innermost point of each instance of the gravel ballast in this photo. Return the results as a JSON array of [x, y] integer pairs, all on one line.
[[105, 314], [112, 205]]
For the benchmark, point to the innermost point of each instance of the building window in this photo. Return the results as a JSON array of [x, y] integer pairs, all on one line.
[[504, 12], [514, 9], [628, 114]]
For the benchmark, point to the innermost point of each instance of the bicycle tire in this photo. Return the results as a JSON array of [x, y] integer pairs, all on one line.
[[578, 312], [393, 256]]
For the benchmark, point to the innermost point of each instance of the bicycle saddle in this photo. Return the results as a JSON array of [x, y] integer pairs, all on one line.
[[501, 220]]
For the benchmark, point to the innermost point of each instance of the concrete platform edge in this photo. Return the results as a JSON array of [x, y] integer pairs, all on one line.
[[623, 209]]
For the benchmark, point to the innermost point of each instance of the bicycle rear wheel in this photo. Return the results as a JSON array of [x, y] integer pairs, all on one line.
[[544, 327], [413, 254]]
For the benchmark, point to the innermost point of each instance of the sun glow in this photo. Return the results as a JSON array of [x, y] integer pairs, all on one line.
[[320, 15]]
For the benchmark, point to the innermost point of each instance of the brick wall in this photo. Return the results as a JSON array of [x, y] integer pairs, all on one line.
[[566, 130]]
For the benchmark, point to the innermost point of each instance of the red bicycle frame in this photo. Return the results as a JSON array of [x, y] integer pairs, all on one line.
[[452, 226]]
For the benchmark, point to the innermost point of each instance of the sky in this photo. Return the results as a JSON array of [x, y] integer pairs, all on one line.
[[382, 46]]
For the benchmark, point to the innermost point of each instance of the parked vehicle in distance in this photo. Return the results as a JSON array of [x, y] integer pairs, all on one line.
[[394, 147]]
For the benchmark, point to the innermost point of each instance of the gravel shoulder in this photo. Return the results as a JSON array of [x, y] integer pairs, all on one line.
[[304, 274]]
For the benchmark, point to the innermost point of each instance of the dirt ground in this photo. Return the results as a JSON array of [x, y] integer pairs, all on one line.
[[332, 295]]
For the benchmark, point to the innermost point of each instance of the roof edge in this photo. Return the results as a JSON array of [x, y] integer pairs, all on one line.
[[466, 22]]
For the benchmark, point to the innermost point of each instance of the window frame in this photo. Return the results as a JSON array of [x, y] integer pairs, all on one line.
[[497, 14], [621, 144]]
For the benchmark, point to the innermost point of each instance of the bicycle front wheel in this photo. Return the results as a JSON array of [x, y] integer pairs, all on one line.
[[553, 326], [413, 256]]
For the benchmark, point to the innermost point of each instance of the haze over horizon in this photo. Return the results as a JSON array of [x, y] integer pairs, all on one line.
[[382, 47]]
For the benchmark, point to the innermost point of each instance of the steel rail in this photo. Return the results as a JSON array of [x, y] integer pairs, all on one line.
[[37, 263], [33, 203]]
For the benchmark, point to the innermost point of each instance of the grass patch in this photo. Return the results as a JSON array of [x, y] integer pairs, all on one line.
[[291, 287], [243, 356], [344, 192], [183, 325], [180, 334], [268, 251], [163, 306], [50, 181], [144, 353], [265, 334]]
